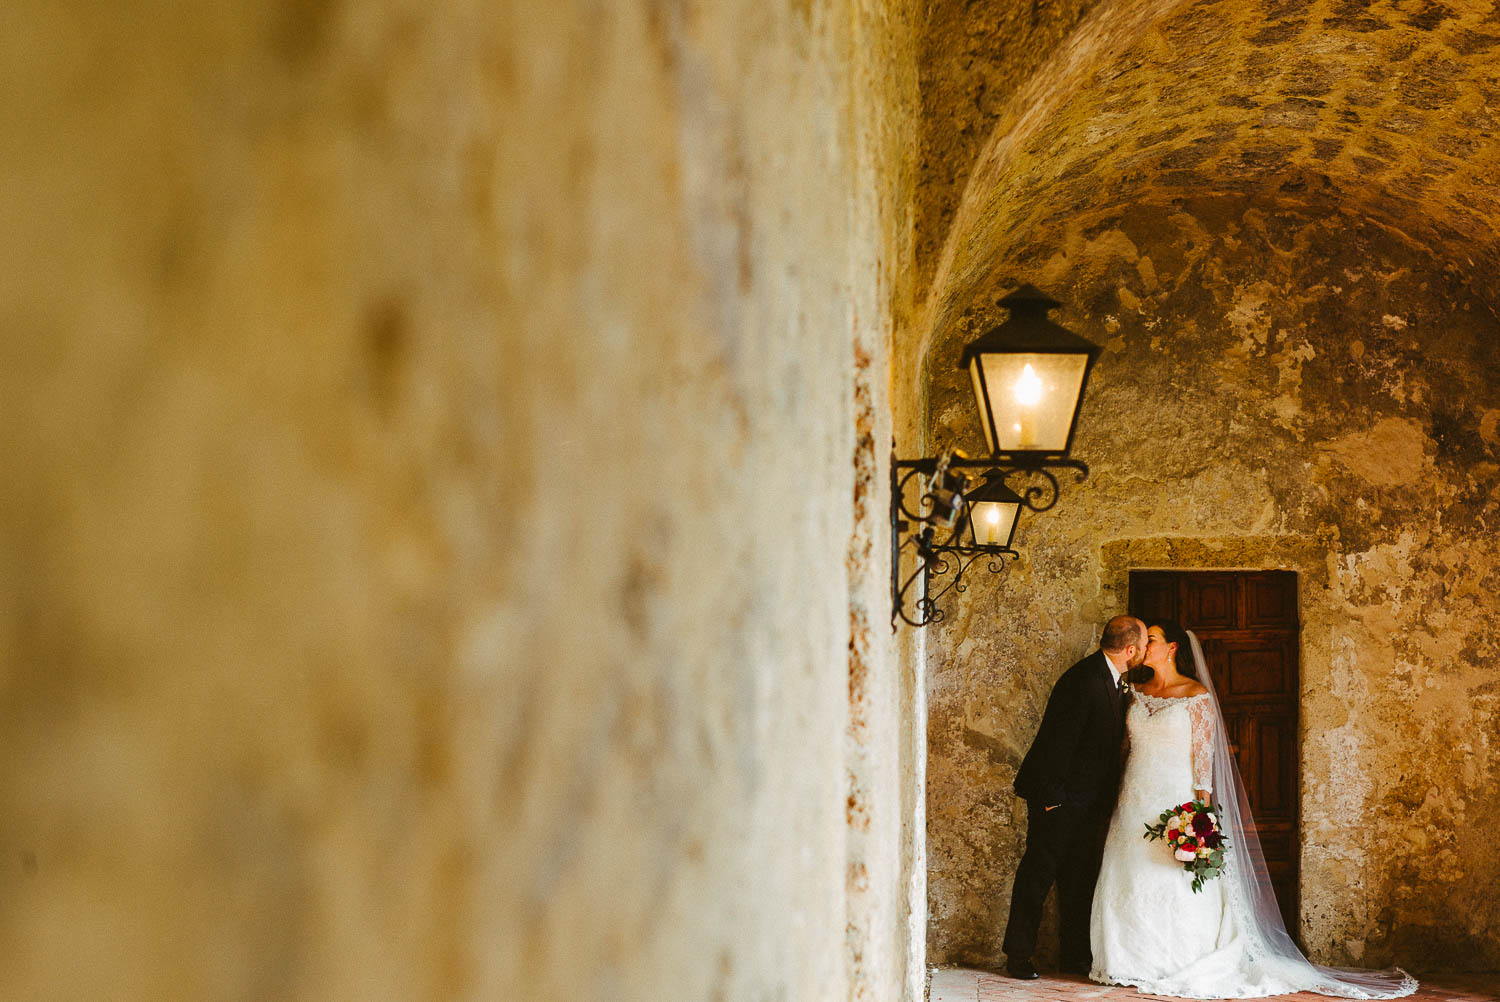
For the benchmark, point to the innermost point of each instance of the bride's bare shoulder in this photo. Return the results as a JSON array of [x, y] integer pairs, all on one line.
[[1195, 688]]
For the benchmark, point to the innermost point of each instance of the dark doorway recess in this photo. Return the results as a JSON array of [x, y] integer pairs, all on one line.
[[1247, 623]]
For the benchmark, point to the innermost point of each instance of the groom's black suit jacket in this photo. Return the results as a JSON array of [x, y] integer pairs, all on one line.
[[1075, 758]]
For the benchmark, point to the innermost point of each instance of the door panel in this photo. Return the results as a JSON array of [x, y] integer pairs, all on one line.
[[1153, 595], [1271, 745], [1255, 670], [1211, 602], [1247, 624], [1271, 603]]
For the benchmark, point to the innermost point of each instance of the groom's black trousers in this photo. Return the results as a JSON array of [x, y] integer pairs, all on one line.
[[1063, 846]]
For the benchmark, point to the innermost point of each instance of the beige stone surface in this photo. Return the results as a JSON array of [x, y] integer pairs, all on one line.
[[441, 534]]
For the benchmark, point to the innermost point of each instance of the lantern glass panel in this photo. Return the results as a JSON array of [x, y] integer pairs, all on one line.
[[984, 410], [994, 521], [1030, 398]]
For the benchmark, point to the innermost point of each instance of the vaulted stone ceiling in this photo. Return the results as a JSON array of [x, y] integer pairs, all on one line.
[[976, 54], [1385, 112]]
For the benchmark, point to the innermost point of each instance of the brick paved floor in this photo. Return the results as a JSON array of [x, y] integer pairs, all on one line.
[[954, 984]]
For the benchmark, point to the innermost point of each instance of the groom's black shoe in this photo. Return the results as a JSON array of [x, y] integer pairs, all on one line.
[[1020, 969]]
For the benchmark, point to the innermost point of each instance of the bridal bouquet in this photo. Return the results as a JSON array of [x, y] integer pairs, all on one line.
[[1192, 832]]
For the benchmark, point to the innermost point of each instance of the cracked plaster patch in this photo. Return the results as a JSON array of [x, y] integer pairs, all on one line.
[[1390, 454]]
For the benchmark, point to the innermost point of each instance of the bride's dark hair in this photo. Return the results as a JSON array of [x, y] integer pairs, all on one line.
[[1173, 633]]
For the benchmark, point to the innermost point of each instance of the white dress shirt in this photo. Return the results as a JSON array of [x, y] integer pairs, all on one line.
[[1114, 669]]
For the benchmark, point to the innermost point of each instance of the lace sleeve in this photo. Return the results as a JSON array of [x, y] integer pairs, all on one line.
[[1201, 711]]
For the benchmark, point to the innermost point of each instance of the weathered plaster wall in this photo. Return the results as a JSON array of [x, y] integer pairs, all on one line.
[[1282, 386], [442, 445]]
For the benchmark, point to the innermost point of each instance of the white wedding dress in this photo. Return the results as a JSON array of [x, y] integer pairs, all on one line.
[[1148, 929]]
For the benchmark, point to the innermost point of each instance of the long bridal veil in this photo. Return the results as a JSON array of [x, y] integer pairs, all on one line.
[[1248, 886]]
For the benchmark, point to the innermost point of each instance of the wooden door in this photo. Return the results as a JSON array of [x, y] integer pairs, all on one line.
[[1247, 624]]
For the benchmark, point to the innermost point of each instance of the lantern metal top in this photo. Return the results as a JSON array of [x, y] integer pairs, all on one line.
[[1029, 293], [994, 490], [1028, 329]]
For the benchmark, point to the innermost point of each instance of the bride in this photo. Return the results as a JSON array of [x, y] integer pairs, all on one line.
[[1148, 929]]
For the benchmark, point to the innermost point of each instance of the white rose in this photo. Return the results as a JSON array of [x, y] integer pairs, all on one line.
[[1184, 855]]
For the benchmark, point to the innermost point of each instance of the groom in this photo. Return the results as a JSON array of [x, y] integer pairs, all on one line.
[[1069, 779]]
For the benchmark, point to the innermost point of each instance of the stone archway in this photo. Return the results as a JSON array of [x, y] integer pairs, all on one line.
[[1276, 220]]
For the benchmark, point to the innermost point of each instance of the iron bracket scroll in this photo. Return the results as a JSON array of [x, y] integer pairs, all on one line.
[[941, 564]]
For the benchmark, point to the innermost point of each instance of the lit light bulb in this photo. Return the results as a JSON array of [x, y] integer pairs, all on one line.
[[1029, 390], [1028, 387], [993, 515]]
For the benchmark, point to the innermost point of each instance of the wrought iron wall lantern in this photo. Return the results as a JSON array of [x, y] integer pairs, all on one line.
[[1029, 376]]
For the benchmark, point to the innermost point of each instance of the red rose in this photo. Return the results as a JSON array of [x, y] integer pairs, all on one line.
[[1201, 825]]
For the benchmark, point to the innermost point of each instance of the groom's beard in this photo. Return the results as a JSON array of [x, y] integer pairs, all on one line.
[[1140, 674]]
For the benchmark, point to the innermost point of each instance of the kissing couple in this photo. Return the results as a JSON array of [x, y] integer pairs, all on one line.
[[1132, 733]]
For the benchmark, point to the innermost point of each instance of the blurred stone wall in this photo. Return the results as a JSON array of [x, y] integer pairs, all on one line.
[[441, 530], [1282, 386]]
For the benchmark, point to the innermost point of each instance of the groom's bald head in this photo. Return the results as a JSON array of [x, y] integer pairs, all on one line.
[[1123, 632]]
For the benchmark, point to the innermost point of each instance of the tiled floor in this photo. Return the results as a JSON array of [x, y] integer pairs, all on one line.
[[952, 984]]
